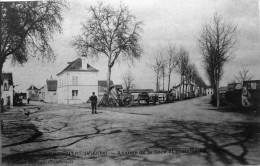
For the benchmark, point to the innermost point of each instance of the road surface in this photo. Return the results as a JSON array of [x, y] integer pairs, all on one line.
[[189, 132]]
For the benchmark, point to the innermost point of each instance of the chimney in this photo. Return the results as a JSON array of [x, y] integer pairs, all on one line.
[[84, 62]]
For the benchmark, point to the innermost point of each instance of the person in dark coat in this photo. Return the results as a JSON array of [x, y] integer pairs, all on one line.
[[2, 104], [8, 103], [28, 100], [93, 100]]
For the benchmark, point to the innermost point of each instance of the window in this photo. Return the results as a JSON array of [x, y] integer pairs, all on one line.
[[74, 94], [5, 86], [74, 80], [248, 85], [253, 85]]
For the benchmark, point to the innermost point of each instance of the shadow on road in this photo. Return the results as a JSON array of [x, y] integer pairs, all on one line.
[[228, 142]]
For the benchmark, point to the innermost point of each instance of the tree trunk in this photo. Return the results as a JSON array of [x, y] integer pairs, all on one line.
[[1, 69], [157, 84], [183, 86], [163, 83], [169, 82], [108, 79], [217, 92]]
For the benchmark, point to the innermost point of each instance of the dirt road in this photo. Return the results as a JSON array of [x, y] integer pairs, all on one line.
[[190, 132]]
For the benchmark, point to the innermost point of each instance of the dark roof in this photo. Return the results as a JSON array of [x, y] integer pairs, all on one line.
[[32, 87], [231, 86], [76, 65], [223, 89], [52, 85], [7, 76], [257, 81], [118, 86], [103, 83]]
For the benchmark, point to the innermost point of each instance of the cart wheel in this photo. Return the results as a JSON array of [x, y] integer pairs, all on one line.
[[127, 101]]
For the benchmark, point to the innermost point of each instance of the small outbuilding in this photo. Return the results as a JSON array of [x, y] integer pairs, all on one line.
[[48, 92], [33, 93]]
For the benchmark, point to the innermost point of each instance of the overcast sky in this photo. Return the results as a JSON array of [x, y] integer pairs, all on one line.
[[165, 21]]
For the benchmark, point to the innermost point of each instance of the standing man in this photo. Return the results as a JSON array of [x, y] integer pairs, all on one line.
[[93, 100], [28, 100], [8, 103]]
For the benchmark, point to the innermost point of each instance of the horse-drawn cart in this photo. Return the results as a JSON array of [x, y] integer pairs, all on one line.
[[119, 97]]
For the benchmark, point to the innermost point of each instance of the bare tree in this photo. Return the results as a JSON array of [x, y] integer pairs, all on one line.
[[109, 32], [216, 43], [128, 80], [244, 75], [182, 65], [156, 66], [26, 28], [170, 62], [163, 71]]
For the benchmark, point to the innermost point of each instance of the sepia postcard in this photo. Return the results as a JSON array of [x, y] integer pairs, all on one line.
[[130, 82]]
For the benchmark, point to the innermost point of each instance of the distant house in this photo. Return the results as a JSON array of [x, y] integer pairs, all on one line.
[[222, 93], [184, 91], [223, 89], [176, 90], [33, 93], [233, 93], [48, 92], [7, 87], [251, 93], [234, 86], [209, 90], [102, 87], [77, 82]]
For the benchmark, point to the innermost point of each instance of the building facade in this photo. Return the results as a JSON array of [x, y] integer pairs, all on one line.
[[7, 88], [209, 91], [77, 82]]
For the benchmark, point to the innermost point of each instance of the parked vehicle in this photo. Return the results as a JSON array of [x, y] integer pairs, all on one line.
[[17, 100]]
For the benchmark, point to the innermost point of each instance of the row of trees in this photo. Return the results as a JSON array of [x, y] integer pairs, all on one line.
[[172, 59]]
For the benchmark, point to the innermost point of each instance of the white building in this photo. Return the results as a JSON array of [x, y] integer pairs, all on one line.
[[7, 87], [209, 91], [77, 82]]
